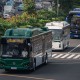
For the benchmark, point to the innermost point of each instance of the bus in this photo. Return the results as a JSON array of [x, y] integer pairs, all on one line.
[[74, 19], [60, 33], [25, 48]]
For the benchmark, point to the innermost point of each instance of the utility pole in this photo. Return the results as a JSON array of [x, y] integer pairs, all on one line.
[[58, 5]]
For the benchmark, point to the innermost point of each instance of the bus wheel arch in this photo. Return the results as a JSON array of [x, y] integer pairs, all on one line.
[[46, 58]]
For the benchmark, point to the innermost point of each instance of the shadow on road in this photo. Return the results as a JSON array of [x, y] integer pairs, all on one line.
[[23, 71]]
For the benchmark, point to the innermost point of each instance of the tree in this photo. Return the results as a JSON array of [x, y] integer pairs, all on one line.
[[29, 6], [76, 3], [65, 5]]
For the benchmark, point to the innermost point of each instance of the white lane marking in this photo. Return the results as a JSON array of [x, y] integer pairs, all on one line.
[[71, 56], [65, 55], [58, 56], [27, 77], [74, 48], [76, 56], [54, 55]]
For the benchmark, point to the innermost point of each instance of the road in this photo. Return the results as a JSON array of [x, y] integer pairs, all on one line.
[[60, 67]]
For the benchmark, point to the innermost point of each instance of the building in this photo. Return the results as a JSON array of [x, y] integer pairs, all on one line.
[[18, 0], [44, 4]]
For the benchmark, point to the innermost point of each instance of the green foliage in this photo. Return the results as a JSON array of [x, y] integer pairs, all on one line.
[[30, 17], [76, 3], [29, 6], [45, 14], [4, 25], [58, 19], [65, 5]]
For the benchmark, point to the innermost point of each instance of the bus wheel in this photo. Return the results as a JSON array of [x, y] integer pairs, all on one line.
[[68, 44], [63, 46], [46, 59], [7, 70], [34, 66]]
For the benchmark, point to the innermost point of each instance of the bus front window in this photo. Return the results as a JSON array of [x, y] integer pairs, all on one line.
[[14, 50], [57, 33]]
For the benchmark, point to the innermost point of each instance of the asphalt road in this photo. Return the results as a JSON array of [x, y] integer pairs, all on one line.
[[56, 69]]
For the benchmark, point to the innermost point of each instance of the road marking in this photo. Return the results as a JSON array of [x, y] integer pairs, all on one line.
[[76, 57], [25, 77], [65, 55], [58, 56], [74, 48], [71, 56], [54, 55]]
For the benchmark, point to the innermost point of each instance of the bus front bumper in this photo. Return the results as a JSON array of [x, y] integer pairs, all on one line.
[[14, 68]]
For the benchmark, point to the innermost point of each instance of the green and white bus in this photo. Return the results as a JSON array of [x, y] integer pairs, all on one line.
[[25, 48]]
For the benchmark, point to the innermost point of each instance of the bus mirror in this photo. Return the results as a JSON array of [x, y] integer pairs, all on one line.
[[29, 44]]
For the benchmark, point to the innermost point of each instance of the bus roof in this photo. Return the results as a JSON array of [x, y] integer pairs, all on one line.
[[74, 12], [57, 24], [23, 32]]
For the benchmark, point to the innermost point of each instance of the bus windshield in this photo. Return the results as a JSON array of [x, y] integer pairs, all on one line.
[[72, 14], [57, 33], [75, 20], [75, 23], [14, 50]]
